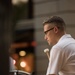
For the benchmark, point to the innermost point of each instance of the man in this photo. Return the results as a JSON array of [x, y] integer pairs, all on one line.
[[62, 54]]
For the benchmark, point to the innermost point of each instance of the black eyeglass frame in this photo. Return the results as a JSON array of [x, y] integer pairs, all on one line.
[[48, 30]]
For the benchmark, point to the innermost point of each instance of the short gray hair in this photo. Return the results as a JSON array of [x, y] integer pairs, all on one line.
[[58, 21]]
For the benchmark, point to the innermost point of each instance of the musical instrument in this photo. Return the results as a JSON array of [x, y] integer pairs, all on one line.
[[47, 52]]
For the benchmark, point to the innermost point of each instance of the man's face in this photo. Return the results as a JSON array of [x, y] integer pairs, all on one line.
[[49, 33]]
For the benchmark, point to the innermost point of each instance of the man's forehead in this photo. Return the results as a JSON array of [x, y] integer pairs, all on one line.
[[49, 25]]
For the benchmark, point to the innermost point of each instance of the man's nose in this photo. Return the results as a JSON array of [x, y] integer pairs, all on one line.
[[45, 37]]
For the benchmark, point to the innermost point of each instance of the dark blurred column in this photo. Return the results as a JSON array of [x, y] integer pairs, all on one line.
[[5, 35], [30, 9]]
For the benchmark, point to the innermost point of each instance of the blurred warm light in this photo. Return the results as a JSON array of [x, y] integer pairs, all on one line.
[[19, 45], [25, 1], [26, 63], [23, 64], [14, 61], [28, 69], [33, 44], [15, 56], [22, 53], [30, 63], [15, 1], [18, 1], [23, 44]]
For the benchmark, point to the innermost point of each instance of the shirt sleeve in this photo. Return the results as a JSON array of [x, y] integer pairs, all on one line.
[[56, 60]]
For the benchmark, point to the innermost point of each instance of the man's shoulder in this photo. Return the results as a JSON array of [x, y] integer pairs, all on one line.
[[65, 42]]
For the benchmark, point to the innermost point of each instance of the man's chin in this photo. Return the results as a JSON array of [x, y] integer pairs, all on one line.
[[49, 43]]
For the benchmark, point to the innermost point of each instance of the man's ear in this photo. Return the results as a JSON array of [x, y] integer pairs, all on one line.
[[56, 29]]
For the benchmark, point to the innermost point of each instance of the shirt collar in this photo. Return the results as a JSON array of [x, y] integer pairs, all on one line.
[[65, 36]]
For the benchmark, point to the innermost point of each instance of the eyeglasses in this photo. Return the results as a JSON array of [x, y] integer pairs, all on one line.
[[48, 30]]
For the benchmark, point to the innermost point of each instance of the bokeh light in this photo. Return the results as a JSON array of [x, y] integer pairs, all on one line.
[[23, 64], [22, 53], [14, 61]]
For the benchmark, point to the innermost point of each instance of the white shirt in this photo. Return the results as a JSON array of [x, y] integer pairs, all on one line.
[[62, 57]]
